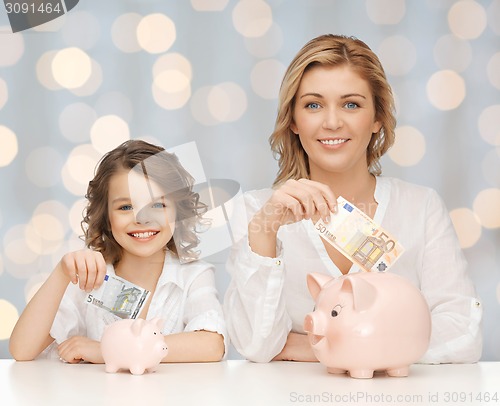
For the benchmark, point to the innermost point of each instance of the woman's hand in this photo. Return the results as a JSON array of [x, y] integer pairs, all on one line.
[[293, 201], [85, 267], [77, 348], [297, 348], [297, 200]]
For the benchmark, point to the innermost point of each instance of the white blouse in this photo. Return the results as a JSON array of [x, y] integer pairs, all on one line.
[[268, 297], [185, 298]]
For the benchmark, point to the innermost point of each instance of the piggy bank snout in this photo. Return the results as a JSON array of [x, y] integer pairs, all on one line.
[[159, 345]]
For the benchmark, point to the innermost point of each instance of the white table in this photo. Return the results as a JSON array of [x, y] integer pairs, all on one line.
[[43, 382]]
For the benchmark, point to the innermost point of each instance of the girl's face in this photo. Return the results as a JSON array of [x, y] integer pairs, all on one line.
[[334, 117], [142, 219]]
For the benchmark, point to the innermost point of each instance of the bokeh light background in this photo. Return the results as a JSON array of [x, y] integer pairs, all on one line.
[[208, 71]]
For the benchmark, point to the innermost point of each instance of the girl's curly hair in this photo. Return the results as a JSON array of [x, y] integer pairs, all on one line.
[[155, 164]]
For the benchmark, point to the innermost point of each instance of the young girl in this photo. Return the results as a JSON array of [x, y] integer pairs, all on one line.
[[335, 120], [140, 225]]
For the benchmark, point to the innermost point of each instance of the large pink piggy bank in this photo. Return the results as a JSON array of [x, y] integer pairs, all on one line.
[[366, 322], [136, 345]]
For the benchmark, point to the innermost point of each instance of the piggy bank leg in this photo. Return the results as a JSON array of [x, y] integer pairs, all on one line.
[[111, 368], [152, 369], [137, 370], [361, 373], [402, 371], [336, 371]]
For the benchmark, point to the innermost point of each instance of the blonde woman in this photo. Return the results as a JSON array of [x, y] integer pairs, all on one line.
[[335, 121]]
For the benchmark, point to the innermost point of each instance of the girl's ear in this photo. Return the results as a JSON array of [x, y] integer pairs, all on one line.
[[293, 127]]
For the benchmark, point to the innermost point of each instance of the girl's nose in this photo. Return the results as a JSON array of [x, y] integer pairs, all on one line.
[[144, 216]]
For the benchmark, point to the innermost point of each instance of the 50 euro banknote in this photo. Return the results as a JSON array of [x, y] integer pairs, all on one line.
[[359, 238]]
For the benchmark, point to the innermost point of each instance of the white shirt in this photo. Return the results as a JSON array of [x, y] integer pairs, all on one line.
[[268, 297], [185, 298]]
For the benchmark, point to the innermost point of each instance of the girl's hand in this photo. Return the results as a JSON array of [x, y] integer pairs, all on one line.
[[85, 267], [294, 201], [77, 348]]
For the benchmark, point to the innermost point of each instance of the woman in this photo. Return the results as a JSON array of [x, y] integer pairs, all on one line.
[[335, 121]]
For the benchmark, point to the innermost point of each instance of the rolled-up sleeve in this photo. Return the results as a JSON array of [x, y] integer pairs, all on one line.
[[69, 320], [254, 306], [456, 310], [203, 310]]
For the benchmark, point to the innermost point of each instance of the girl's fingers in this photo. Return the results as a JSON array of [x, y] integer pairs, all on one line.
[[101, 269], [81, 271], [91, 268], [85, 267]]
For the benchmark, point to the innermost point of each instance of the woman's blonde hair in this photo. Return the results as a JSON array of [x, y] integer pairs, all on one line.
[[331, 50], [155, 164]]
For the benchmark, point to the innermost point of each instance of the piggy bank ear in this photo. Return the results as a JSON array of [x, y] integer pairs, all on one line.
[[316, 281], [363, 292], [137, 326], [157, 322]]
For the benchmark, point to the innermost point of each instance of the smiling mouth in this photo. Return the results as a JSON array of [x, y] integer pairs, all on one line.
[[337, 141], [144, 235]]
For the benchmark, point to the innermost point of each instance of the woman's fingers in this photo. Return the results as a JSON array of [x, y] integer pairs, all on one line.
[[324, 198], [313, 197]]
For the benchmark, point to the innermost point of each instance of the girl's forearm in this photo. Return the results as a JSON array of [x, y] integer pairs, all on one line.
[[194, 346], [31, 334]]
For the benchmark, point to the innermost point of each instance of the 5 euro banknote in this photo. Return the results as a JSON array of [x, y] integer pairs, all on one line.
[[118, 296], [359, 238]]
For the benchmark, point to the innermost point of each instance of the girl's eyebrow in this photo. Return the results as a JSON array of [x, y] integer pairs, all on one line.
[[121, 199], [127, 199]]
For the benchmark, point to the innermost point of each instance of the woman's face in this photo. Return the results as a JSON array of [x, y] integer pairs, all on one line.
[[334, 117]]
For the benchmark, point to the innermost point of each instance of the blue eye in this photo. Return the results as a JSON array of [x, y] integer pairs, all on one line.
[[351, 105], [158, 205], [313, 106], [125, 207]]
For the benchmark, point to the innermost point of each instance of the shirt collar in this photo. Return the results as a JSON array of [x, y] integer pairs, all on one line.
[[172, 271]]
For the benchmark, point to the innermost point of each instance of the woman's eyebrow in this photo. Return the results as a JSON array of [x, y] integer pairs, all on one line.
[[312, 94], [345, 96]]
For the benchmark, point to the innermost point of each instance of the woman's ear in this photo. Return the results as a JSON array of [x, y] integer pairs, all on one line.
[[377, 126], [293, 127]]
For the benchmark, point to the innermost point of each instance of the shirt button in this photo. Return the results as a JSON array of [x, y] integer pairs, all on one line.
[[477, 304], [278, 262]]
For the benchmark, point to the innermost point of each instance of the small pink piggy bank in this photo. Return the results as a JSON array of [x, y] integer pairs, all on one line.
[[367, 322], [133, 344]]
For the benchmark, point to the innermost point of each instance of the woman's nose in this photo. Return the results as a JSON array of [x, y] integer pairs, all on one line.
[[332, 120]]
